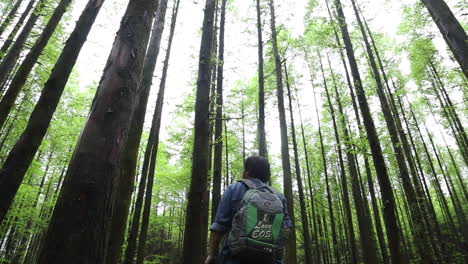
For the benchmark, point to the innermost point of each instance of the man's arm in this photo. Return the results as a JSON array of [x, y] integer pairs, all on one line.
[[215, 240]]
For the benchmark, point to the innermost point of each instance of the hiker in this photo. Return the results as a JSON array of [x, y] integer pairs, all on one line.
[[254, 218]]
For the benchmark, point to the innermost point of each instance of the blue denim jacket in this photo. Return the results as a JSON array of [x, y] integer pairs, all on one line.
[[228, 207]]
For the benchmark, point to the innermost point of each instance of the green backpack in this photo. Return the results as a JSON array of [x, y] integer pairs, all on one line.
[[258, 228]]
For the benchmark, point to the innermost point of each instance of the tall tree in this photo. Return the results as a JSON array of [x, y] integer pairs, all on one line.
[[451, 30], [19, 23], [389, 208], [262, 144], [158, 116], [22, 153], [218, 135], [195, 220], [79, 229], [130, 157], [19, 79], [10, 17], [291, 255]]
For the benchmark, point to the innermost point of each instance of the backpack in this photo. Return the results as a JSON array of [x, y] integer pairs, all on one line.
[[258, 228]]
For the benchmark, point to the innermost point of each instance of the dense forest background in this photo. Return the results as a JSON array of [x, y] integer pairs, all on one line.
[[119, 132]]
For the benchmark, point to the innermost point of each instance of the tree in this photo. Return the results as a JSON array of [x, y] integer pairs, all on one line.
[[262, 144], [85, 203], [195, 221], [9, 18]]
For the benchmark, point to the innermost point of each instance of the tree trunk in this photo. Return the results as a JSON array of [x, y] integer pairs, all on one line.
[[451, 30], [218, 137], [21, 155], [389, 208], [304, 218], [80, 225], [19, 79], [157, 115], [195, 221], [130, 157], [291, 256], [10, 59], [262, 145], [10, 17]]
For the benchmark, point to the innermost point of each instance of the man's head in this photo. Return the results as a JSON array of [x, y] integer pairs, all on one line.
[[257, 167]]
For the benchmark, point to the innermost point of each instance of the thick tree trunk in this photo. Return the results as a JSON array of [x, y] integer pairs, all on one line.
[[218, 137], [262, 144], [11, 37], [451, 30], [196, 219], [157, 115], [304, 218], [19, 79], [389, 208], [130, 157], [80, 225], [10, 59], [21, 155], [291, 256], [10, 17]]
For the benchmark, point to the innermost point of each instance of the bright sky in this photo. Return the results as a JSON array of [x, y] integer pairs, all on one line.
[[241, 49]]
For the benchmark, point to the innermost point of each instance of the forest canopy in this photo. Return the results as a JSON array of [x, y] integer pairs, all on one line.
[[123, 122]]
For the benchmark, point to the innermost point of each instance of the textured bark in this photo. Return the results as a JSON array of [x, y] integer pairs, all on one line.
[[10, 59], [388, 197], [157, 115], [130, 158], [262, 144], [218, 135], [196, 219], [11, 37], [291, 256], [304, 218], [451, 30], [21, 155], [9, 18], [79, 229], [19, 79]]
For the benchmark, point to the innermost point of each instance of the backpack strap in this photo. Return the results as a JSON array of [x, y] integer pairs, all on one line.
[[250, 184]]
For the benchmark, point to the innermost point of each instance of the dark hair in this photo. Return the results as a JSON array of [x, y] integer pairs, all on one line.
[[258, 167]]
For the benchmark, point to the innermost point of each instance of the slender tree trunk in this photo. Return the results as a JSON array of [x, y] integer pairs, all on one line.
[[10, 17], [19, 79], [11, 37], [218, 137], [262, 145], [130, 157], [21, 155], [389, 208], [157, 115], [291, 256], [451, 30], [80, 225], [10, 59], [195, 221], [304, 218], [364, 221]]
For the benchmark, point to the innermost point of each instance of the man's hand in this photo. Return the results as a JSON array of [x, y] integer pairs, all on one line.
[[210, 259]]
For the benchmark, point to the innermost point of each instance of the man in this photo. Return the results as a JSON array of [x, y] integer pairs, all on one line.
[[256, 171]]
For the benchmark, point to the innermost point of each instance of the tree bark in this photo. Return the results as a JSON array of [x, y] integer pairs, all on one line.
[[79, 229], [195, 221], [389, 208], [19, 79], [291, 256], [130, 157], [451, 30]]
